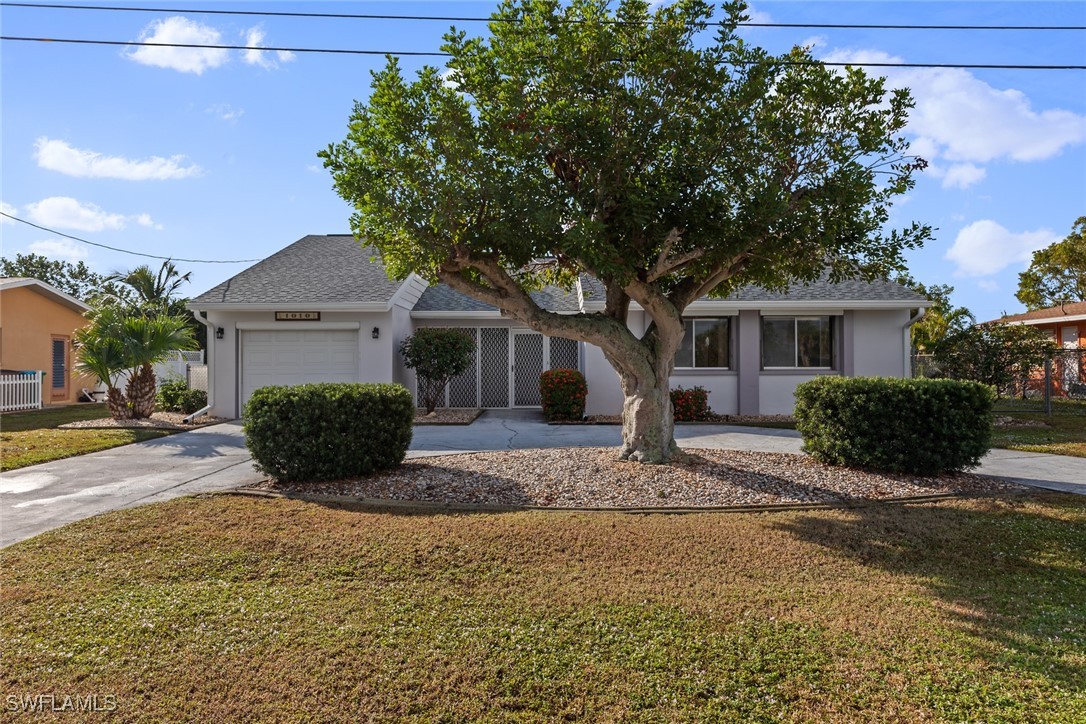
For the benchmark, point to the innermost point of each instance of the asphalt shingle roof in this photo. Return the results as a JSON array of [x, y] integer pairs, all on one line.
[[442, 298], [330, 269], [1051, 313], [851, 290]]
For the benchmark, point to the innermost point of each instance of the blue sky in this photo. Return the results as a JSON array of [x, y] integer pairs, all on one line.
[[212, 154]]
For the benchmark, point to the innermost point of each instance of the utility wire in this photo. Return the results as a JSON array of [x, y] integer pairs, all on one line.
[[437, 54], [126, 251], [477, 19]]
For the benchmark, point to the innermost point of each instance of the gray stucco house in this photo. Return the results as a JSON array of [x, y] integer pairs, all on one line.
[[323, 310]]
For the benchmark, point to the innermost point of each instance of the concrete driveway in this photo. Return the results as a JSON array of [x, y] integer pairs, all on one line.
[[47, 496], [43, 497]]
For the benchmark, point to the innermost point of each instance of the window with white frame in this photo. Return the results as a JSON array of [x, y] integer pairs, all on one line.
[[797, 343], [706, 344]]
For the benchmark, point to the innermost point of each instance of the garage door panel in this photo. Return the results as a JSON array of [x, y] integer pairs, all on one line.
[[294, 357]]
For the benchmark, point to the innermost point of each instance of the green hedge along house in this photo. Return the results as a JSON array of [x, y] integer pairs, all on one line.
[[324, 310]]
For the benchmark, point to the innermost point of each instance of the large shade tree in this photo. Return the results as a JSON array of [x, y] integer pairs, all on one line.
[[666, 160], [1057, 273]]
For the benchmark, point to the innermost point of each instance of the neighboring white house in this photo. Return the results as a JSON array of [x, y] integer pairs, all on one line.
[[323, 310]]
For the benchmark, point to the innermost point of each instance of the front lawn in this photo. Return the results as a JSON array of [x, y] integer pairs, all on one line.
[[1061, 433], [32, 437], [229, 608]]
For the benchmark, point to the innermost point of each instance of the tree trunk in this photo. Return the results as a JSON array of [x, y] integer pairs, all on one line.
[[648, 424], [141, 392], [117, 404]]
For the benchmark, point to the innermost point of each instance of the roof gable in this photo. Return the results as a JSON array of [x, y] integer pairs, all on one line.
[[332, 269], [46, 290]]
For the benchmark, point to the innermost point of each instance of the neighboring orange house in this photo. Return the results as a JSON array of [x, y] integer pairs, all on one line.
[[37, 322], [1066, 325]]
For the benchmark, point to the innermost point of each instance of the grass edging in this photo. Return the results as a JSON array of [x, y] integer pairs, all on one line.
[[433, 506]]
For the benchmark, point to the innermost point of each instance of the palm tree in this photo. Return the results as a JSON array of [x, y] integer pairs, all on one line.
[[158, 291], [118, 343]]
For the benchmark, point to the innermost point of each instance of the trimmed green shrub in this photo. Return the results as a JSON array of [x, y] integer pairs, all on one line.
[[328, 431], [563, 393], [437, 354], [691, 404], [175, 396], [920, 426]]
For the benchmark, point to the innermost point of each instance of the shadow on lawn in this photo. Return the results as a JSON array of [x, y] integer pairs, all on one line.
[[1010, 575]]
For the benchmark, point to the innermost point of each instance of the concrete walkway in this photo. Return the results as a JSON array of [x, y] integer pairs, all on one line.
[[47, 496]]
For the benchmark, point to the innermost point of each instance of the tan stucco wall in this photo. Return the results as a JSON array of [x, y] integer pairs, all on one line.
[[28, 323]]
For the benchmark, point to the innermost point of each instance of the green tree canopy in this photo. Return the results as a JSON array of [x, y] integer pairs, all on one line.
[[1057, 274], [76, 279], [941, 318], [635, 147], [994, 354]]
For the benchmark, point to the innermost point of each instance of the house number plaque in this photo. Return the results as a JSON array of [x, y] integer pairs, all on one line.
[[297, 316]]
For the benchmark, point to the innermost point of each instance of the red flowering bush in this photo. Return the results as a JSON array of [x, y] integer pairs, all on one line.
[[691, 404], [563, 393]]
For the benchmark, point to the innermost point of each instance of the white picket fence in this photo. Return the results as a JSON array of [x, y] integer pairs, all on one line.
[[20, 392]]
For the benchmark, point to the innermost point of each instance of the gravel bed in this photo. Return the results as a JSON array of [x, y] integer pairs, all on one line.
[[157, 421], [594, 478], [447, 416], [713, 419]]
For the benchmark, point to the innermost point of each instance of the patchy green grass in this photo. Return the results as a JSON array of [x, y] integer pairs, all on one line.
[[1061, 433], [29, 438], [229, 608]]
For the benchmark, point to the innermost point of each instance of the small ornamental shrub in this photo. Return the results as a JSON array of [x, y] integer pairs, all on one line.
[[563, 393], [175, 396], [690, 404], [919, 426], [328, 431], [437, 355]]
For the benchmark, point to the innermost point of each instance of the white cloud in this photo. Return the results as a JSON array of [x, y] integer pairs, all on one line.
[[185, 60], [255, 37], [962, 119], [145, 220], [225, 112], [56, 155], [757, 16], [988, 285], [58, 249], [984, 248], [7, 209], [815, 41], [959, 175], [64, 212]]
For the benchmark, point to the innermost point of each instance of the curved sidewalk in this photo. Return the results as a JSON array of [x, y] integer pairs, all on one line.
[[42, 497]]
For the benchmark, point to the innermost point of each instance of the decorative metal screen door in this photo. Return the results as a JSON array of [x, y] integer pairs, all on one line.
[[527, 367]]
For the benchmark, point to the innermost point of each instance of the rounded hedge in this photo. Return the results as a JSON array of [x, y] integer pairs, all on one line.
[[329, 430], [918, 426], [563, 392]]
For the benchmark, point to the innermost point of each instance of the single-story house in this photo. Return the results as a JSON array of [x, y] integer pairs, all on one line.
[[1066, 324], [323, 310], [37, 323]]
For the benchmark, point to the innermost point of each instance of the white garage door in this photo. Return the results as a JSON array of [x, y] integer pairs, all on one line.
[[293, 357]]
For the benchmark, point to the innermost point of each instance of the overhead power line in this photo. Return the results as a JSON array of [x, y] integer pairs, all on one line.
[[127, 251], [479, 19], [438, 54]]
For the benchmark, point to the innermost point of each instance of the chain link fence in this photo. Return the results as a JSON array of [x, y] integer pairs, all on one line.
[[1056, 386]]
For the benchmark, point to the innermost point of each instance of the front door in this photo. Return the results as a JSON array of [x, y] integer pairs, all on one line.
[[1071, 360], [527, 367], [58, 383]]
